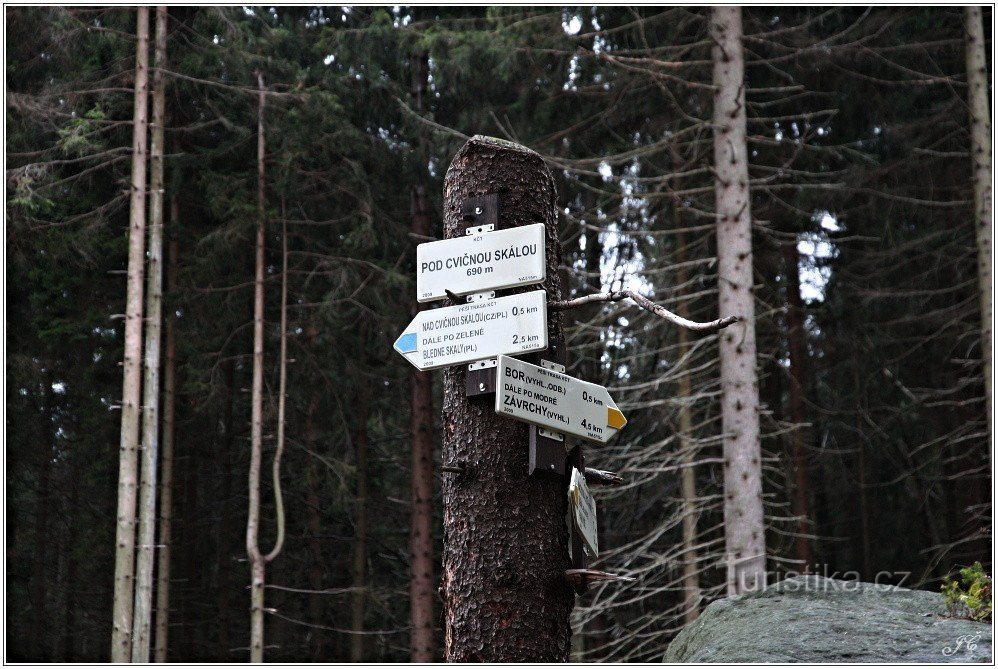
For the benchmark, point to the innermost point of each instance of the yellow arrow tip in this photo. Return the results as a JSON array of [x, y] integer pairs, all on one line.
[[614, 418]]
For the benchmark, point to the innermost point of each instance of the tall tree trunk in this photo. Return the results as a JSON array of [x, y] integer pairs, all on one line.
[[505, 540], [169, 439], [745, 541], [978, 95], [124, 557], [146, 554], [359, 595], [39, 622], [687, 473], [257, 566], [421, 591], [797, 346]]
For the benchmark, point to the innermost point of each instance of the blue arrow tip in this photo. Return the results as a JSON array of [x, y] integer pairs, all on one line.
[[406, 343]]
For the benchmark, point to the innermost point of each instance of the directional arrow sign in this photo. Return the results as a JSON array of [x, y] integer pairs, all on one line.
[[476, 263], [477, 330], [556, 401], [583, 512]]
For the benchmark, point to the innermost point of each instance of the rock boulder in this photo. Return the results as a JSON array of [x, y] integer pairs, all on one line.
[[816, 619]]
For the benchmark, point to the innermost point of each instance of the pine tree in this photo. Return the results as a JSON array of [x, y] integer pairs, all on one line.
[[743, 514], [124, 566]]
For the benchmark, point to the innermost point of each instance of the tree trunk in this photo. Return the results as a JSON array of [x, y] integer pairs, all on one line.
[[146, 554], [797, 346], [421, 591], [169, 437], [978, 95], [359, 595], [745, 541], [505, 540], [124, 557], [40, 623], [257, 566], [687, 473]]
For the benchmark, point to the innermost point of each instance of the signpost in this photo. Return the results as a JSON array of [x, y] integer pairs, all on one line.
[[583, 512], [476, 331], [480, 261], [556, 401]]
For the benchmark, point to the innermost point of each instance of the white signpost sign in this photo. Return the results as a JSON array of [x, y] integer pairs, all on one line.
[[583, 512], [484, 329], [480, 262], [556, 401]]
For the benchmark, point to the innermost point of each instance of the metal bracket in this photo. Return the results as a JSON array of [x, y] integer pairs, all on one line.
[[479, 229], [553, 366], [488, 363], [481, 378], [481, 211], [480, 297], [548, 434]]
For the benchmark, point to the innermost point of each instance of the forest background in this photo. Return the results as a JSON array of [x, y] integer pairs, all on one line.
[[873, 401]]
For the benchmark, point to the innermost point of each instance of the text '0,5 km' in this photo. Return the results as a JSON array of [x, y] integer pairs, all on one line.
[[556, 401], [468, 332], [477, 263]]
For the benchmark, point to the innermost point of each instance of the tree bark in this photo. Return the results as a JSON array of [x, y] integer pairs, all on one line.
[[257, 566], [124, 558], [687, 473], [421, 591], [146, 553], [743, 509], [978, 94], [169, 437], [505, 540], [797, 346], [359, 595]]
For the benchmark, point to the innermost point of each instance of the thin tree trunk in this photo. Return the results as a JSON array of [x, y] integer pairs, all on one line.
[[688, 485], [40, 624], [124, 558], [169, 438], [146, 553], [797, 347], [421, 591], [257, 566], [745, 541], [505, 540], [978, 94], [359, 595]]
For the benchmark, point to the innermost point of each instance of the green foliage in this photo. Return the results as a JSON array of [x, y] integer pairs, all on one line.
[[76, 137], [970, 596]]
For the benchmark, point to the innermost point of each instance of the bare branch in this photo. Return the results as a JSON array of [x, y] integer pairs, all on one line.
[[644, 303]]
